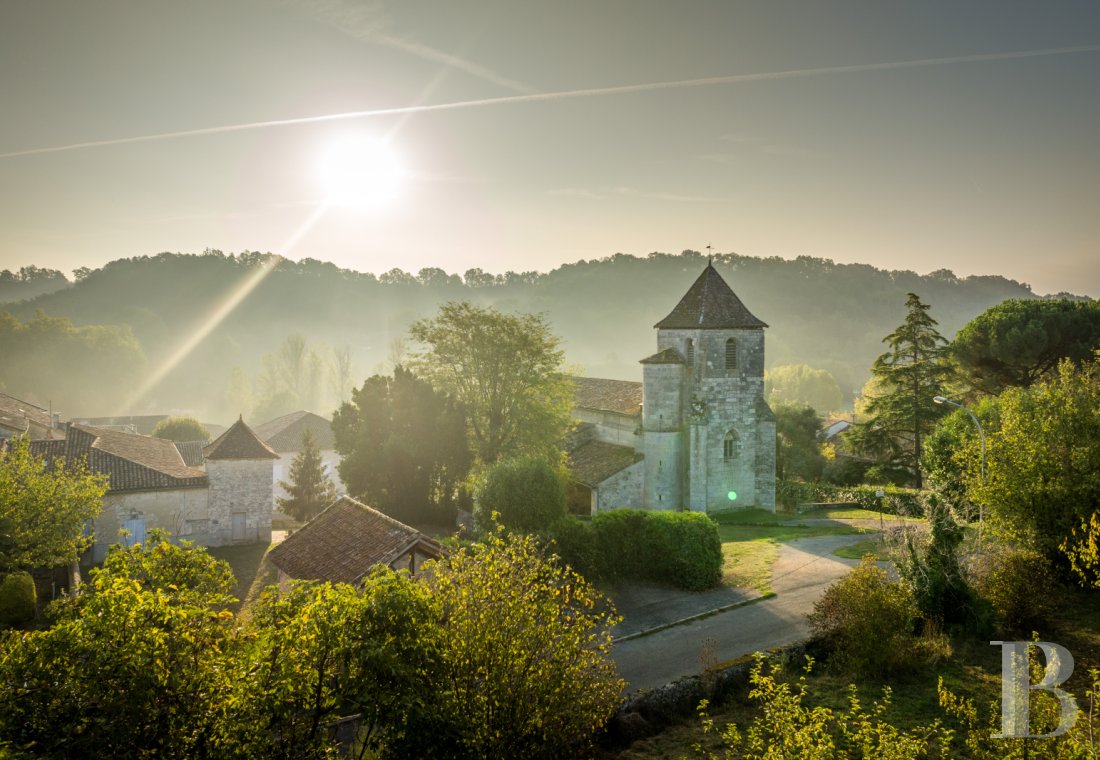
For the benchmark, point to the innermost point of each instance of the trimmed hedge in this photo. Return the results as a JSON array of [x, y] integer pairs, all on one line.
[[17, 598], [679, 548], [897, 501]]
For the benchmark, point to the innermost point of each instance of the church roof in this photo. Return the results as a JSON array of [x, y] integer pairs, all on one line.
[[238, 442], [594, 462], [284, 434], [344, 542], [668, 356], [709, 304], [600, 394]]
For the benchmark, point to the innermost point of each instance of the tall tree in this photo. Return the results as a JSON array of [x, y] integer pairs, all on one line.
[[797, 446], [403, 446], [309, 489], [505, 370], [802, 384], [909, 376], [43, 510], [1017, 342]]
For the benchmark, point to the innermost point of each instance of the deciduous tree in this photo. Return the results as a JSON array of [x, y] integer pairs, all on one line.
[[181, 429], [528, 493], [798, 448], [505, 370]]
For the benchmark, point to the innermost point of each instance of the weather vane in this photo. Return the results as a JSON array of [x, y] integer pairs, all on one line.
[[710, 257]]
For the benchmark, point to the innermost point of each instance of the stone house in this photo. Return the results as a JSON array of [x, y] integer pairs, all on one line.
[[214, 496], [705, 434], [284, 436], [346, 541]]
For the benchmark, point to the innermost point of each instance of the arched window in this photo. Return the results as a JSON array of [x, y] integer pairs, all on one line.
[[690, 352], [729, 446], [731, 354]]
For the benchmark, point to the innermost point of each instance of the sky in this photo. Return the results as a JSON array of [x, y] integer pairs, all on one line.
[[523, 135]]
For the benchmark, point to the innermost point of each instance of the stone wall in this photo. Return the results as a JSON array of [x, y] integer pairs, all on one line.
[[241, 500], [611, 427], [182, 512], [623, 489]]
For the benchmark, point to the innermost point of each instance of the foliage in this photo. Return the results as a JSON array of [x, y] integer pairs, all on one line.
[[868, 621], [930, 566], [1019, 583], [787, 727], [527, 671], [896, 501], [1043, 465], [802, 385], [131, 667], [944, 457], [1082, 548], [1018, 342], [528, 493], [324, 651], [505, 370], [181, 429], [679, 548], [309, 489], [798, 449], [910, 374], [17, 599], [51, 361], [292, 378], [43, 510], [404, 447], [30, 281]]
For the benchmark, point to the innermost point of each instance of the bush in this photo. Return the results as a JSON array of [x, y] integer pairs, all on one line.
[[17, 599], [868, 621], [1019, 583], [896, 501], [528, 493], [679, 548]]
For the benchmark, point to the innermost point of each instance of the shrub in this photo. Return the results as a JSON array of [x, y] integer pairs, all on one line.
[[685, 548], [897, 501], [868, 621], [574, 541], [528, 493], [622, 544], [1019, 583], [17, 599]]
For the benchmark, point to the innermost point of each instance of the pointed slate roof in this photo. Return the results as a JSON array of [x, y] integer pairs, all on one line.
[[238, 442], [709, 304]]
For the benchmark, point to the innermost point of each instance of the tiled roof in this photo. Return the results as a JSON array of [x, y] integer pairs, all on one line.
[[139, 423], [238, 442], [16, 414], [284, 434], [594, 462], [191, 451], [132, 462], [709, 304], [620, 396], [344, 542], [668, 356]]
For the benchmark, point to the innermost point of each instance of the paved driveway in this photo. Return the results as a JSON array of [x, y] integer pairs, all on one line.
[[801, 573]]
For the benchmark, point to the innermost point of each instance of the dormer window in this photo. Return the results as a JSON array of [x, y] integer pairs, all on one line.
[[731, 354]]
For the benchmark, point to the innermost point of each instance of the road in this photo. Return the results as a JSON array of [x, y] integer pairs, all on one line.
[[801, 573]]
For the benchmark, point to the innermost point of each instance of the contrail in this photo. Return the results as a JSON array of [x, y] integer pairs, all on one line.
[[564, 94]]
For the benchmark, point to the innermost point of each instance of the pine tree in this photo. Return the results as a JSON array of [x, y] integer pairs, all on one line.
[[908, 376], [309, 489]]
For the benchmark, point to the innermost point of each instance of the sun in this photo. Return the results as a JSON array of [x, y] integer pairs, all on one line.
[[360, 171]]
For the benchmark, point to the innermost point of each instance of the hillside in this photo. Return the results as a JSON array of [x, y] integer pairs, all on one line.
[[828, 315]]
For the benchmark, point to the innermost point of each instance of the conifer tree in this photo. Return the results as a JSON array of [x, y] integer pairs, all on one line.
[[902, 413], [309, 489]]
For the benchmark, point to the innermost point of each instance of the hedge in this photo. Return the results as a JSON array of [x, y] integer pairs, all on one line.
[[679, 548], [897, 501], [17, 598]]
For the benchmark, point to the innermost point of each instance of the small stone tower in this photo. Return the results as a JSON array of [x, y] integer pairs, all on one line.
[[709, 435], [239, 468]]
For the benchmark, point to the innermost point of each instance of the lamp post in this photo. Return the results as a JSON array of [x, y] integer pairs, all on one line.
[[981, 434]]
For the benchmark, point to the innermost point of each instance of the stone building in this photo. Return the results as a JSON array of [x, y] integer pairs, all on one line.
[[213, 497], [704, 430]]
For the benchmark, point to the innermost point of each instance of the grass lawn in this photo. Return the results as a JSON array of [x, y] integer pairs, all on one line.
[[751, 539], [248, 568], [857, 551]]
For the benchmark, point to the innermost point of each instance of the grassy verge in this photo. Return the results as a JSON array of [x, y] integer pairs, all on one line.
[[247, 563], [858, 551], [751, 540]]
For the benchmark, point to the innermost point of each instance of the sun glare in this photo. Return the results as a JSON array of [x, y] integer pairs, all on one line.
[[359, 171]]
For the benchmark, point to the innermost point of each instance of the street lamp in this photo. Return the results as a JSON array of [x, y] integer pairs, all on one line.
[[981, 434]]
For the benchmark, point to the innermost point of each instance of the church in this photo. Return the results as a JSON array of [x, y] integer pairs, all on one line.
[[696, 433]]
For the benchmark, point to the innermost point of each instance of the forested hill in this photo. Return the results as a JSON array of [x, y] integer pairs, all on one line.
[[831, 316]]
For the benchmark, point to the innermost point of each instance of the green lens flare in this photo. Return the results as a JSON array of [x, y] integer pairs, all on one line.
[[732, 496]]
